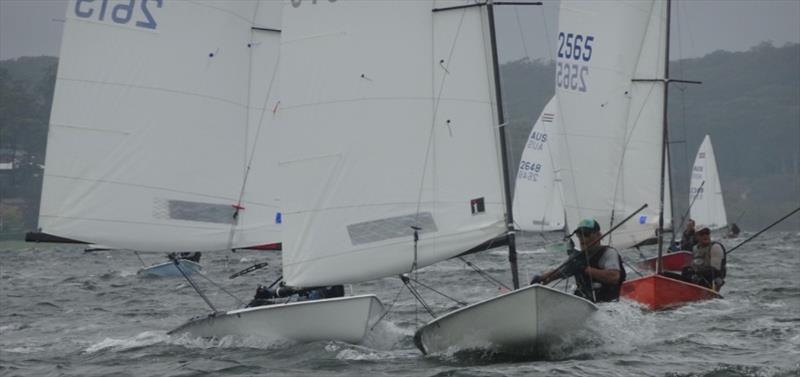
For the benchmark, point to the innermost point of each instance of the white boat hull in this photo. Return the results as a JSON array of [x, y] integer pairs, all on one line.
[[516, 320], [346, 319], [168, 269]]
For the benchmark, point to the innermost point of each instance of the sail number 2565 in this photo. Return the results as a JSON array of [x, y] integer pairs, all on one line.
[[574, 52], [120, 13]]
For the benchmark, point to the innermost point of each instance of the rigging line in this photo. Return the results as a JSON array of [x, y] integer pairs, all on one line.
[[416, 295], [548, 44], [484, 274], [175, 261], [457, 301], [239, 301], [257, 136], [386, 312], [629, 133], [140, 258], [686, 214], [625, 144], [437, 100], [521, 34], [631, 267]]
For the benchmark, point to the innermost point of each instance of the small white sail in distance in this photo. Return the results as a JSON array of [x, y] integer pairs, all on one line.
[[538, 202], [154, 121], [708, 209], [387, 122], [611, 127]]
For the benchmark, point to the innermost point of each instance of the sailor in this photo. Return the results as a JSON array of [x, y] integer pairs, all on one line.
[[601, 279], [708, 262], [733, 231], [267, 296], [192, 256], [687, 239]]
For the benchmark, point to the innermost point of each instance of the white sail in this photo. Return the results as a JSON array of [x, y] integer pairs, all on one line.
[[538, 202], [387, 122], [708, 209], [611, 139], [154, 121]]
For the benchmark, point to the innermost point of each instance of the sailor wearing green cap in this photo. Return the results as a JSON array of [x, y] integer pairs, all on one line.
[[597, 270]]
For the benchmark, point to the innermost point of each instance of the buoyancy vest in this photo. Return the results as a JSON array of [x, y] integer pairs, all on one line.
[[604, 292], [701, 258]]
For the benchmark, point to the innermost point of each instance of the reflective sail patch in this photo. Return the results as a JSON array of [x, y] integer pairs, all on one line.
[[193, 211], [391, 227]]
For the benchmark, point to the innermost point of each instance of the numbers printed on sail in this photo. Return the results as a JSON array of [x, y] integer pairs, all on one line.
[[120, 12], [529, 170], [574, 51]]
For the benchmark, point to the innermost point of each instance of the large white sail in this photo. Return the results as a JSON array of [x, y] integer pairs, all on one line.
[[387, 122], [709, 207], [156, 110], [612, 126], [538, 202]]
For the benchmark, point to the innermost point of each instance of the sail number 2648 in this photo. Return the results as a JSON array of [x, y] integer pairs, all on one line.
[[574, 51], [121, 13]]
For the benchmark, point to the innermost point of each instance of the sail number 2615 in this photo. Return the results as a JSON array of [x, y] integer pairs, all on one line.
[[574, 51], [120, 13]]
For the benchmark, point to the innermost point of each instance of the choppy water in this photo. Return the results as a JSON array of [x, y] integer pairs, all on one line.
[[64, 312]]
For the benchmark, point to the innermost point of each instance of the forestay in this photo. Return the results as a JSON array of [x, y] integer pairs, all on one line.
[[709, 207], [611, 139], [156, 115], [538, 202], [386, 123]]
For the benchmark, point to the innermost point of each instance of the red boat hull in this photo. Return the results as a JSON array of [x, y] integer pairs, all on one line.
[[672, 262], [658, 292]]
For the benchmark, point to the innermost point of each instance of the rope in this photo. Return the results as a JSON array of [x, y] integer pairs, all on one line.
[[220, 287], [416, 295], [140, 258], [484, 274], [462, 303]]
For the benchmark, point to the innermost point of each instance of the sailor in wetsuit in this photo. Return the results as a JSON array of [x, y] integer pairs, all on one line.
[[597, 269]]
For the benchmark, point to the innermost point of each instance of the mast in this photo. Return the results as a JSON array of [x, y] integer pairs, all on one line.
[[512, 247], [659, 265]]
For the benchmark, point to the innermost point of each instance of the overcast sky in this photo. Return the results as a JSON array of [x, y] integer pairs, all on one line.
[[33, 27]]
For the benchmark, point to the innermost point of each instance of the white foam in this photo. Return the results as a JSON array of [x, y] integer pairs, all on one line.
[[385, 335], [146, 338], [24, 350]]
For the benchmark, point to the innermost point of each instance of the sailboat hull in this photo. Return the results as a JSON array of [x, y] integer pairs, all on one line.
[[658, 292], [676, 261], [168, 269], [518, 320], [346, 319]]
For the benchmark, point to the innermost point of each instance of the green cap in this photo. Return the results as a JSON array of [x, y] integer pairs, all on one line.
[[589, 224]]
